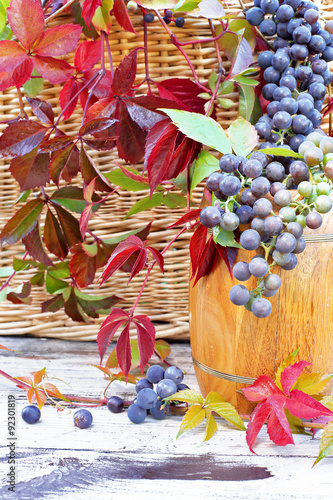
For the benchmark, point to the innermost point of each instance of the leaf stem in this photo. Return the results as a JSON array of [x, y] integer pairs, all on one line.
[[145, 41], [59, 11], [109, 55], [6, 283]]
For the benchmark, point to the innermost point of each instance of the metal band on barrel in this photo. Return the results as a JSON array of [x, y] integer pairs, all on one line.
[[222, 375], [318, 238]]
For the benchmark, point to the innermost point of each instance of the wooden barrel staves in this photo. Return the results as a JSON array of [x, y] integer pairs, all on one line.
[[231, 347]]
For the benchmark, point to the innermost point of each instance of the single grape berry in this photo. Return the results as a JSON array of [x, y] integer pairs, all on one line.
[[239, 295], [168, 13], [180, 21], [147, 398], [82, 419], [115, 404], [241, 271], [149, 17], [272, 282], [31, 414], [131, 6], [159, 411], [175, 374], [258, 267], [155, 373], [166, 388], [250, 239], [261, 308], [136, 414]]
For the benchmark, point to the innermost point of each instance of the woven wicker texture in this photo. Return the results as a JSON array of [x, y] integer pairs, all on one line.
[[165, 298]]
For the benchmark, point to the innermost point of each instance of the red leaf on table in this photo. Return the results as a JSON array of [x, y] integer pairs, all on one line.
[[191, 215], [278, 427], [82, 268], [108, 329], [19, 138], [261, 389], [58, 41], [121, 14], [90, 171], [53, 236], [159, 158], [184, 92], [18, 76], [131, 142], [21, 223], [146, 344], [123, 351], [34, 246], [26, 18], [197, 244], [53, 70], [31, 170], [257, 420], [290, 374], [158, 257], [125, 74], [96, 125], [21, 297], [208, 260], [12, 55], [67, 93], [304, 406], [88, 10], [87, 55], [69, 225], [42, 109], [58, 162]]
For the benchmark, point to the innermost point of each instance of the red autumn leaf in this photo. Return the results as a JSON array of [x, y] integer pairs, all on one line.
[[197, 246], [84, 220], [278, 427], [21, 223], [328, 108], [158, 257], [97, 125], [290, 374], [21, 297], [101, 144], [21, 137], [34, 246], [123, 350], [109, 327], [228, 254], [257, 420], [55, 143], [125, 74], [74, 310], [26, 19], [159, 158], [69, 225], [72, 165], [304, 406], [88, 10], [261, 389], [146, 344], [208, 260], [53, 70], [31, 170], [58, 40], [82, 268], [18, 76], [66, 97], [42, 109], [103, 88], [88, 191], [53, 236], [87, 55], [11, 55], [58, 163], [191, 215], [121, 254], [184, 92], [131, 142], [184, 155], [121, 14], [90, 171]]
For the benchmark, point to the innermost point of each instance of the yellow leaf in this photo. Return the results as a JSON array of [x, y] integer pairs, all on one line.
[[187, 396], [193, 417], [214, 397], [328, 402], [102, 20], [112, 361], [38, 376], [40, 397], [288, 361], [211, 426], [27, 380], [312, 383], [163, 348], [295, 423], [326, 443], [229, 413], [53, 391]]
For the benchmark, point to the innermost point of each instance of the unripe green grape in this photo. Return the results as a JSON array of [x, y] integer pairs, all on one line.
[[229, 221], [272, 282], [328, 157], [304, 146], [287, 214], [323, 188], [281, 258], [312, 198], [326, 145], [249, 303], [313, 156], [131, 6], [315, 137], [317, 177], [323, 204], [305, 189], [301, 219]]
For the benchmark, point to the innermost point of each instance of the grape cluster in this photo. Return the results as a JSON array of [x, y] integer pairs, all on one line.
[[168, 382], [295, 72], [254, 195], [167, 18]]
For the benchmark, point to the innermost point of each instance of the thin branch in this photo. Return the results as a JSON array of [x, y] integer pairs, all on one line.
[[109, 55], [22, 113], [6, 283], [145, 39], [59, 11]]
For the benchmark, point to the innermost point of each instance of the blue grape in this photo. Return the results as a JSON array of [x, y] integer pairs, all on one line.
[[143, 383], [115, 404], [284, 13], [269, 6], [155, 373], [82, 419], [159, 411], [166, 388], [147, 398], [289, 105], [267, 27], [175, 374], [136, 414], [265, 58], [255, 16], [31, 414]]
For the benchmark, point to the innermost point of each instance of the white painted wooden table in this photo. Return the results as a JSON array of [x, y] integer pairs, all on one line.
[[115, 459]]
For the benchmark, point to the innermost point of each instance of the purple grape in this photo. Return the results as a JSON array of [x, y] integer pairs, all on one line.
[[115, 404], [31, 414], [155, 373], [82, 419], [136, 414]]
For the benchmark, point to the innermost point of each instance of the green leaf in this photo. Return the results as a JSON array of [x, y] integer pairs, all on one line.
[[3, 18], [20, 265], [23, 196], [193, 417], [163, 348], [34, 86], [226, 87], [286, 362], [174, 200], [248, 31], [200, 128], [257, 110], [312, 383], [326, 443], [4, 292], [225, 238], [71, 197], [229, 43], [205, 165], [229, 413], [282, 152], [118, 178], [145, 204], [61, 270], [243, 137], [38, 279], [214, 397], [54, 285], [21, 223], [295, 423], [187, 396], [186, 5], [6, 34], [112, 361], [211, 426], [225, 103], [135, 360], [245, 80], [212, 81], [246, 101], [102, 19]]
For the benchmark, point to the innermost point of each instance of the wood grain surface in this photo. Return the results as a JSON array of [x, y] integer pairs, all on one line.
[[115, 459]]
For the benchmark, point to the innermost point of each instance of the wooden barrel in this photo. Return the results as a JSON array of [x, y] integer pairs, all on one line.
[[231, 347]]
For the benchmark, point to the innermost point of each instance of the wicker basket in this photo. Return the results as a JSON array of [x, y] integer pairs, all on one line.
[[165, 298]]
